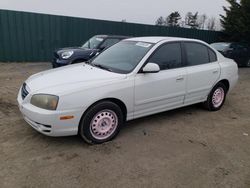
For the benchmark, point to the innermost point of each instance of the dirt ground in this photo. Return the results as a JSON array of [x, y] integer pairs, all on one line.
[[188, 147]]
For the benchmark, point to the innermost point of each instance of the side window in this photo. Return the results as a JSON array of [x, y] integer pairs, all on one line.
[[197, 54], [109, 42], [212, 55], [168, 56]]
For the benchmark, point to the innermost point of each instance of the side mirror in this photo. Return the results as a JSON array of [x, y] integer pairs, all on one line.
[[151, 68]]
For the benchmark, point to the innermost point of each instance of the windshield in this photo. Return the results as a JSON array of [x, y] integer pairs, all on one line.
[[123, 57], [93, 43], [221, 46]]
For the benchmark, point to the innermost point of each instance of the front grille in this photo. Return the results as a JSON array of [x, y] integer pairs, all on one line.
[[24, 91]]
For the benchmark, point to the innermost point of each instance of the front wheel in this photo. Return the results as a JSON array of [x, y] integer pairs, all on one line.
[[216, 98], [101, 123]]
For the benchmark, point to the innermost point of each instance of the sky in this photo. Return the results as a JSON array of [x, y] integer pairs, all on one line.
[[143, 11]]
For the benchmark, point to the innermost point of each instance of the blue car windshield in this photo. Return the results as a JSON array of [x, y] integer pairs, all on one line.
[[221, 46], [93, 43]]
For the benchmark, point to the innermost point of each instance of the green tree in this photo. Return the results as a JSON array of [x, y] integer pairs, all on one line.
[[236, 22], [173, 19]]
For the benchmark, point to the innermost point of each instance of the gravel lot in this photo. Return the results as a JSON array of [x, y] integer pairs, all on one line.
[[188, 147]]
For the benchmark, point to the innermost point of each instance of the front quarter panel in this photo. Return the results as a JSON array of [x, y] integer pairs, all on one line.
[[121, 89]]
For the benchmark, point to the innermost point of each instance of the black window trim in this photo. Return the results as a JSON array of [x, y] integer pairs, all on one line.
[[171, 42], [185, 53]]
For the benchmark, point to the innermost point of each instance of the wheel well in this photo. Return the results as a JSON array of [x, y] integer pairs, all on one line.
[[121, 105], [116, 101], [226, 83]]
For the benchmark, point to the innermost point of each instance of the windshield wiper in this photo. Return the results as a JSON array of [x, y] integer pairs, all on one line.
[[89, 62], [101, 67]]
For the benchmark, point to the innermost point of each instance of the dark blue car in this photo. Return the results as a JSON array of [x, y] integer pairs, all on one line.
[[239, 52], [89, 49]]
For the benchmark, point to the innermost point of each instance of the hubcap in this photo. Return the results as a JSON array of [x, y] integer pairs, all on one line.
[[103, 124], [218, 97]]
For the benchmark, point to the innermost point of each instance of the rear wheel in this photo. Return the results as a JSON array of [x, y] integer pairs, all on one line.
[[216, 98], [101, 123]]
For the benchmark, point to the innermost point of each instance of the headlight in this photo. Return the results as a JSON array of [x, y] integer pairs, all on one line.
[[48, 102], [67, 55]]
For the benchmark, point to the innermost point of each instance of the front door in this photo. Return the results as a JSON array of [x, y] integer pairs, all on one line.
[[157, 92]]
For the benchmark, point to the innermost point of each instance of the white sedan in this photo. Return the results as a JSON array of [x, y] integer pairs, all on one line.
[[135, 78]]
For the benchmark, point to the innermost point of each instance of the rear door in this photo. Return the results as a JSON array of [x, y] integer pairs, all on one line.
[[203, 71]]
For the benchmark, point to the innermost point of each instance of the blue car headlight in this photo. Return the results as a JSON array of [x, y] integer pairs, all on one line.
[[67, 54]]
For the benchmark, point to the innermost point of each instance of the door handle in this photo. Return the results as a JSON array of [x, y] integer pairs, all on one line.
[[180, 78], [215, 72]]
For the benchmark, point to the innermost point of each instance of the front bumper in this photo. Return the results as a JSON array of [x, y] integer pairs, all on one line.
[[48, 122]]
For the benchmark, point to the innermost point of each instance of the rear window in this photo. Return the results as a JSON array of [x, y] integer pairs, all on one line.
[[212, 55], [197, 54]]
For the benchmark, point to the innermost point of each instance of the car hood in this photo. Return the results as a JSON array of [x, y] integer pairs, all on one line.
[[75, 50], [69, 78]]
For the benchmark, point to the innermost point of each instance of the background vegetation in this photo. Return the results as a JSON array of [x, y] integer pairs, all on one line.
[[235, 24]]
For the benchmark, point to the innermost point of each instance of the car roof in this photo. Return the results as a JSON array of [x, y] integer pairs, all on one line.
[[113, 36], [159, 39]]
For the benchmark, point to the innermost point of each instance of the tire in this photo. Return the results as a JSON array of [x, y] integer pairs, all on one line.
[[216, 98], [101, 123]]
